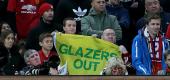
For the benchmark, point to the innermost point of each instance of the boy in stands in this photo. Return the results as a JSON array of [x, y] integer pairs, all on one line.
[[46, 43]]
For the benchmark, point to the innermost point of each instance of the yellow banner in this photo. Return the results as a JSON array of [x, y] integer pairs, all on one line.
[[85, 55]]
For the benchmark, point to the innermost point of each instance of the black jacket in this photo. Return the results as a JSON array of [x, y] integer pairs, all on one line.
[[34, 70], [32, 41], [10, 60]]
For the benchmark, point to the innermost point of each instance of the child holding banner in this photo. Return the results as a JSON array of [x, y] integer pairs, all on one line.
[[69, 26]]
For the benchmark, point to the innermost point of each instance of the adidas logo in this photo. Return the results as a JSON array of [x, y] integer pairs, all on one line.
[[80, 12]]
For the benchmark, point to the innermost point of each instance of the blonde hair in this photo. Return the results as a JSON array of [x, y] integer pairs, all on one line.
[[114, 62]]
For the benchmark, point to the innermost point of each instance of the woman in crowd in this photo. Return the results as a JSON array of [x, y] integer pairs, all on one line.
[[10, 60]]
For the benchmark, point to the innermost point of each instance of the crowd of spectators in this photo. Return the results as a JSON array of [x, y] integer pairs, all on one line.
[[141, 29]]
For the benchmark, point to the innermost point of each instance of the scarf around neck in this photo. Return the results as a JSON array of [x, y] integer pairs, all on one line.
[[155, 50]]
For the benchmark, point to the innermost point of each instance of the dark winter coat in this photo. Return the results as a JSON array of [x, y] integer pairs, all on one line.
[[32, 41], [10, 60]]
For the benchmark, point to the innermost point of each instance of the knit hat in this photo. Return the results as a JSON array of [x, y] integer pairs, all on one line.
[[44, 7]]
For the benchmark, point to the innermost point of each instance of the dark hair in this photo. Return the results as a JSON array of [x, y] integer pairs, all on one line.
[[149, 17], [44, 35], [108, 28], [4, 34], [66, 19], [1, 23]]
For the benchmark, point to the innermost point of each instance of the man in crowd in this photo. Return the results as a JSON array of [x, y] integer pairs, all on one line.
[[46, 12], [26, 15], [33, 67], [148, 48], [109, 35], [98, 19]]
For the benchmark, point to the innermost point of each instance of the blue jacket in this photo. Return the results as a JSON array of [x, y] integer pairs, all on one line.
[[141, 59]]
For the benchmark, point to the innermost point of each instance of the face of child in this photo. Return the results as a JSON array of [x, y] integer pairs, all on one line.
[[168, 60], [47, 43], [9, 41]]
